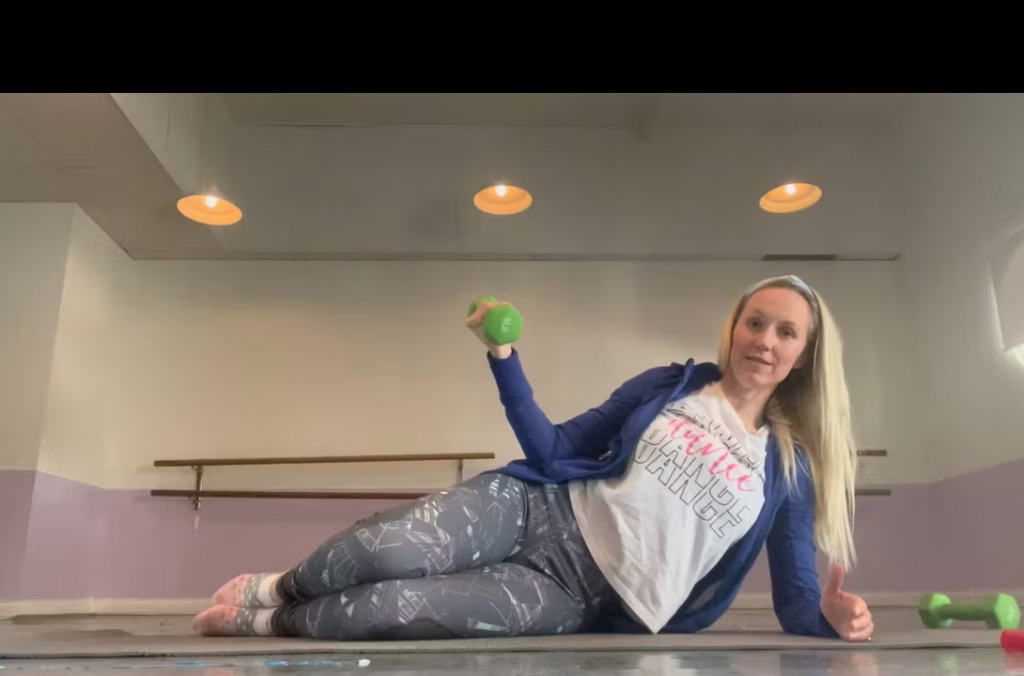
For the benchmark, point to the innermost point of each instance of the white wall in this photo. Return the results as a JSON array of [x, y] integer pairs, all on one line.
[[197, 359], [1008, 280], [33, 250], [964, 171], [83, 408]]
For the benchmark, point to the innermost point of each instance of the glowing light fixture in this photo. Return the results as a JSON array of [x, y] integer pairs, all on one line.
[[502, 200], [790, 197], [209, 209]]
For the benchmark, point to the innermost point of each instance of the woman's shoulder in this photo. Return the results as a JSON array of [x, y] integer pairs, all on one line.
[[658, 378], [656, 373], [672, 373]]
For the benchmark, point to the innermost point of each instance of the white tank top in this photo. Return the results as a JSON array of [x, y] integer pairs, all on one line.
[[694, 487]]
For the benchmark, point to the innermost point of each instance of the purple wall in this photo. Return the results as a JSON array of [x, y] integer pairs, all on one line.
[[64, 539], [895, 539], [85, 541], [15, 507], [979, 525]]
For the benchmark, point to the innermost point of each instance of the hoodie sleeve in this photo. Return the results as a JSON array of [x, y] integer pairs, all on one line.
[[796, 594], [586, 435]]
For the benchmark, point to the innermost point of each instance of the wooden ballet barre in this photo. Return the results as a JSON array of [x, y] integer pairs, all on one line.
[[325, 459], [322, 459], [364, 495], [382, 494], [872, 492], [198, 464]]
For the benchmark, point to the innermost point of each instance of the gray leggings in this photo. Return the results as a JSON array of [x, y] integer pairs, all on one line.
[[493, 556]]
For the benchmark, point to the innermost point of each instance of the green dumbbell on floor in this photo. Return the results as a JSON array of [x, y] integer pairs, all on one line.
[[502, 324], [999, 611]]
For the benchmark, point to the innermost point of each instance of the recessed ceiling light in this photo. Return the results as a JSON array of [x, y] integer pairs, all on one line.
[[502, 200], [209, 210], [790, 197]]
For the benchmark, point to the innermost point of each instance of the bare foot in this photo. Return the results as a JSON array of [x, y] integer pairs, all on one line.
[[249, 591], [222, 620]]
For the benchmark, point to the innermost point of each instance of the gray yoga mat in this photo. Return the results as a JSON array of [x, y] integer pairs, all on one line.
[[121, 643]]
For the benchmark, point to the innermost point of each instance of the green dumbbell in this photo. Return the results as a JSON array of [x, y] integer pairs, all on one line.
[[999, 611], [502, 324]]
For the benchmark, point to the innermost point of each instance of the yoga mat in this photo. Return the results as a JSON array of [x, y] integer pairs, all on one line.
[[122, 643]]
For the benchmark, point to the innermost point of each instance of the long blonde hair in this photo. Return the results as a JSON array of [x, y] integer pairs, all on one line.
[[811, 408]]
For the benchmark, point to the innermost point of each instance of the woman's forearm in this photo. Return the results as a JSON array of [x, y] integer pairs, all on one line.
[[537, 436]]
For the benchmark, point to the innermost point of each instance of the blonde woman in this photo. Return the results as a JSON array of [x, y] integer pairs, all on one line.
[[641, 515]]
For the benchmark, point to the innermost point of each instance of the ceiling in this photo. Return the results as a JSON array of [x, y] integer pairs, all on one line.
[[80, 148], [817, 110], [391, 176]]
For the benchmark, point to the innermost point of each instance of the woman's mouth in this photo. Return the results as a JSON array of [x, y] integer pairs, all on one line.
[[758, 360]]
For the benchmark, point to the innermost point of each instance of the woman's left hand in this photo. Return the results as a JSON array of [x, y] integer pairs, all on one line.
[[848, 614]]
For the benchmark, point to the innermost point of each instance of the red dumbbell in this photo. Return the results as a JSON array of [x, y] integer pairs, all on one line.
[[1012, 640]]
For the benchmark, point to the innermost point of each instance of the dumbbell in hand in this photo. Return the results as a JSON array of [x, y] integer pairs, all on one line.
[[999, 611], [501, 324]]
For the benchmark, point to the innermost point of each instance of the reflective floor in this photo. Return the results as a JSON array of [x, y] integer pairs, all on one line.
[[696, 663]]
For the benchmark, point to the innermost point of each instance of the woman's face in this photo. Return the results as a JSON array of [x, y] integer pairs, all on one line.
[[769, 339]]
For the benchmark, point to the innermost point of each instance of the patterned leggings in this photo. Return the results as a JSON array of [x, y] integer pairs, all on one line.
[[493, 556]]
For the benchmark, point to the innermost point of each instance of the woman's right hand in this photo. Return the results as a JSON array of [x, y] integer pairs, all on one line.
[[475, 322]]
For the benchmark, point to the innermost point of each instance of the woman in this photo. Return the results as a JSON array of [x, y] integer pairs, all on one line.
[[643, 514]]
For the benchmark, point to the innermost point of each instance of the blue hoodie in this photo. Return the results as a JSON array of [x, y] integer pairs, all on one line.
[[599, 443]]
